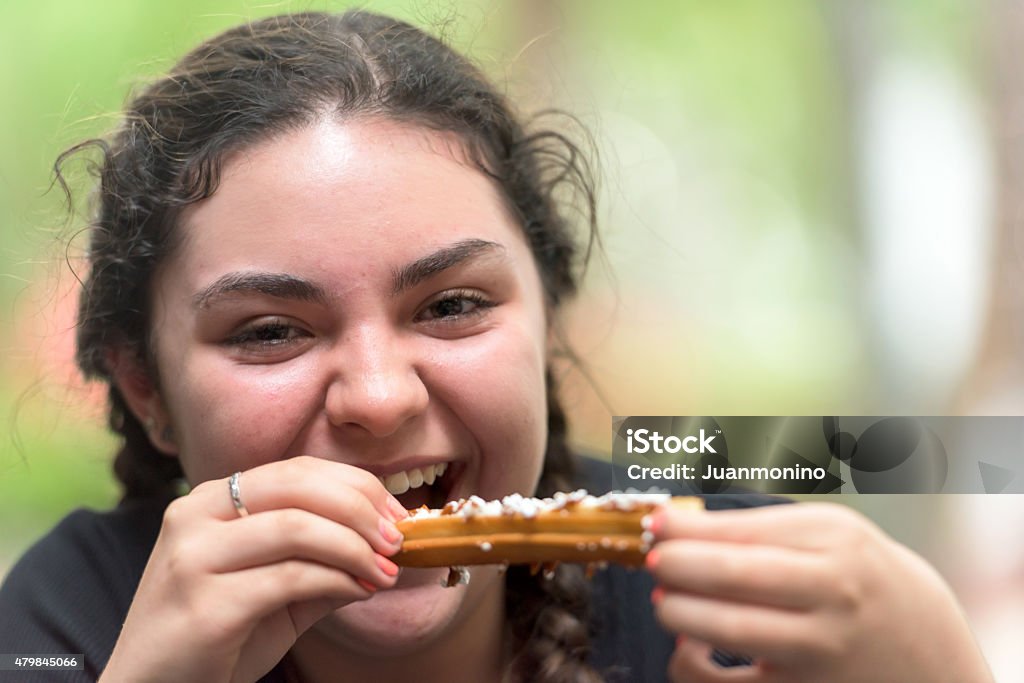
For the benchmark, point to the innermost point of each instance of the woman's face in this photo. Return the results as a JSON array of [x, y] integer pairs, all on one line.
[[359, 293]]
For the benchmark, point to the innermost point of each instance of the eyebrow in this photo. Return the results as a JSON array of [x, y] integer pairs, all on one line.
[[285, 286], [440, 260], [279, 285]]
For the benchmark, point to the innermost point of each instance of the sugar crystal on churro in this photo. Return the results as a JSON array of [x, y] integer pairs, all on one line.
[[518, 505]]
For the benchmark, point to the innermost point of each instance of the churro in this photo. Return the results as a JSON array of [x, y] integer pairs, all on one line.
[[568, 527]]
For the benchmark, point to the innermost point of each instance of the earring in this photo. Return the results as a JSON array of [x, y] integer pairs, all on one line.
[[149, 424]]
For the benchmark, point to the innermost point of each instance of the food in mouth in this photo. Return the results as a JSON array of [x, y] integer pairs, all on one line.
[[568, 527]]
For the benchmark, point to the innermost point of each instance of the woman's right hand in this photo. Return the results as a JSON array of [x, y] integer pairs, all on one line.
[[223, 597]]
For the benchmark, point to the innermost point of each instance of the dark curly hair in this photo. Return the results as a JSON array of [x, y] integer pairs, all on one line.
[[264, 78]]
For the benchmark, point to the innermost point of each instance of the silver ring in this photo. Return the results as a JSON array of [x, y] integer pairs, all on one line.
[[236, 495]]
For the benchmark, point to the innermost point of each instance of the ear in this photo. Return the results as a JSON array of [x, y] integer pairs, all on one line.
[[554, 344], [139, 391]]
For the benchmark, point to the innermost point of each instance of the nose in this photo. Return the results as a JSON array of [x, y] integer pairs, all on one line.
[[375, 386]]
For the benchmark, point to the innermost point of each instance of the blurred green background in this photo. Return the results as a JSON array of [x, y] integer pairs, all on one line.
[[807, 208]]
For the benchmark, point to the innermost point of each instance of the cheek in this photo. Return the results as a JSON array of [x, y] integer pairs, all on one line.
[[496, 389], [235, 417]]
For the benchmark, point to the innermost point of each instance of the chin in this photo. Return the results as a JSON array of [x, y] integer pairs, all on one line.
[[413, 614]]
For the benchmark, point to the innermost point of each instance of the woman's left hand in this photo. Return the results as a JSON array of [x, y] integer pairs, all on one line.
[[812, 592]]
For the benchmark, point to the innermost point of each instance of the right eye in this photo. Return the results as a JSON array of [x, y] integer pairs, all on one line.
[[267, 335]]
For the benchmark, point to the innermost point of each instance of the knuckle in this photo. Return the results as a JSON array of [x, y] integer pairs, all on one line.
[[848, 592], [211, 486], [176, 514], [858, 532], [836, 647], [849, 520], [287, 576], [183, 558], [291, 523], [364, 479], [734, 569], [305, 462], [842, 582], [732, 629], [344, 505], [836, 516], [852, 532], [300, 465]]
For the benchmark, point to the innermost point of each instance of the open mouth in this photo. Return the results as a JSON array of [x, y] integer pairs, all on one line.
[[429, 485]]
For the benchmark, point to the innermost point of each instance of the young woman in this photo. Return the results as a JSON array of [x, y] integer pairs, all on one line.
[[326, 255]]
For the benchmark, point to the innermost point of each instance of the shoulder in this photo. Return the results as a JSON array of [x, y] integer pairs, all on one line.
[[70, 592]]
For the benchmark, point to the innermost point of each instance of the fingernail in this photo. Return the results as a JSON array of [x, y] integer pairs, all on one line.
[[653, 522], [389, 531], [657, 595], [398, 512], [652, 558], [367, 585], [387, 566]]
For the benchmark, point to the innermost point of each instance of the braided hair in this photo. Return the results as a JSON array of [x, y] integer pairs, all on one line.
[[548, 615], [264, 78]]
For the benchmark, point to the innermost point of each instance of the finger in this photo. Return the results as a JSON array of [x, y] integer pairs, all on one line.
[[691, 663], [270, 588], [806, 526], [305, 614], [765, 575], [319, 481], [752, 629], [341, 505], [266, 646], [279, 535], [342, 493]]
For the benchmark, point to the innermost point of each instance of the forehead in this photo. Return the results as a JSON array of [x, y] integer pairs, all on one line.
[[371, 188]]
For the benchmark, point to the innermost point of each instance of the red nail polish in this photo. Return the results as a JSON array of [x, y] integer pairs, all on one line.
[[389, 531], [657, 595], [652, 559], [387, 566], [367, 585], [654, 522]]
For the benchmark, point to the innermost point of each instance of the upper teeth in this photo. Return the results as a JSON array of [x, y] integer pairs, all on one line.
[[400, 482]]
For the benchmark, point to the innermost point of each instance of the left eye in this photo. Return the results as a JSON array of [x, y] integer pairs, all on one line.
[[455, 305], [266, 336]]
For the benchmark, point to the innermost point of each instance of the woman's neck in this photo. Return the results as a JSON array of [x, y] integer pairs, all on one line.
[[471, 651]]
